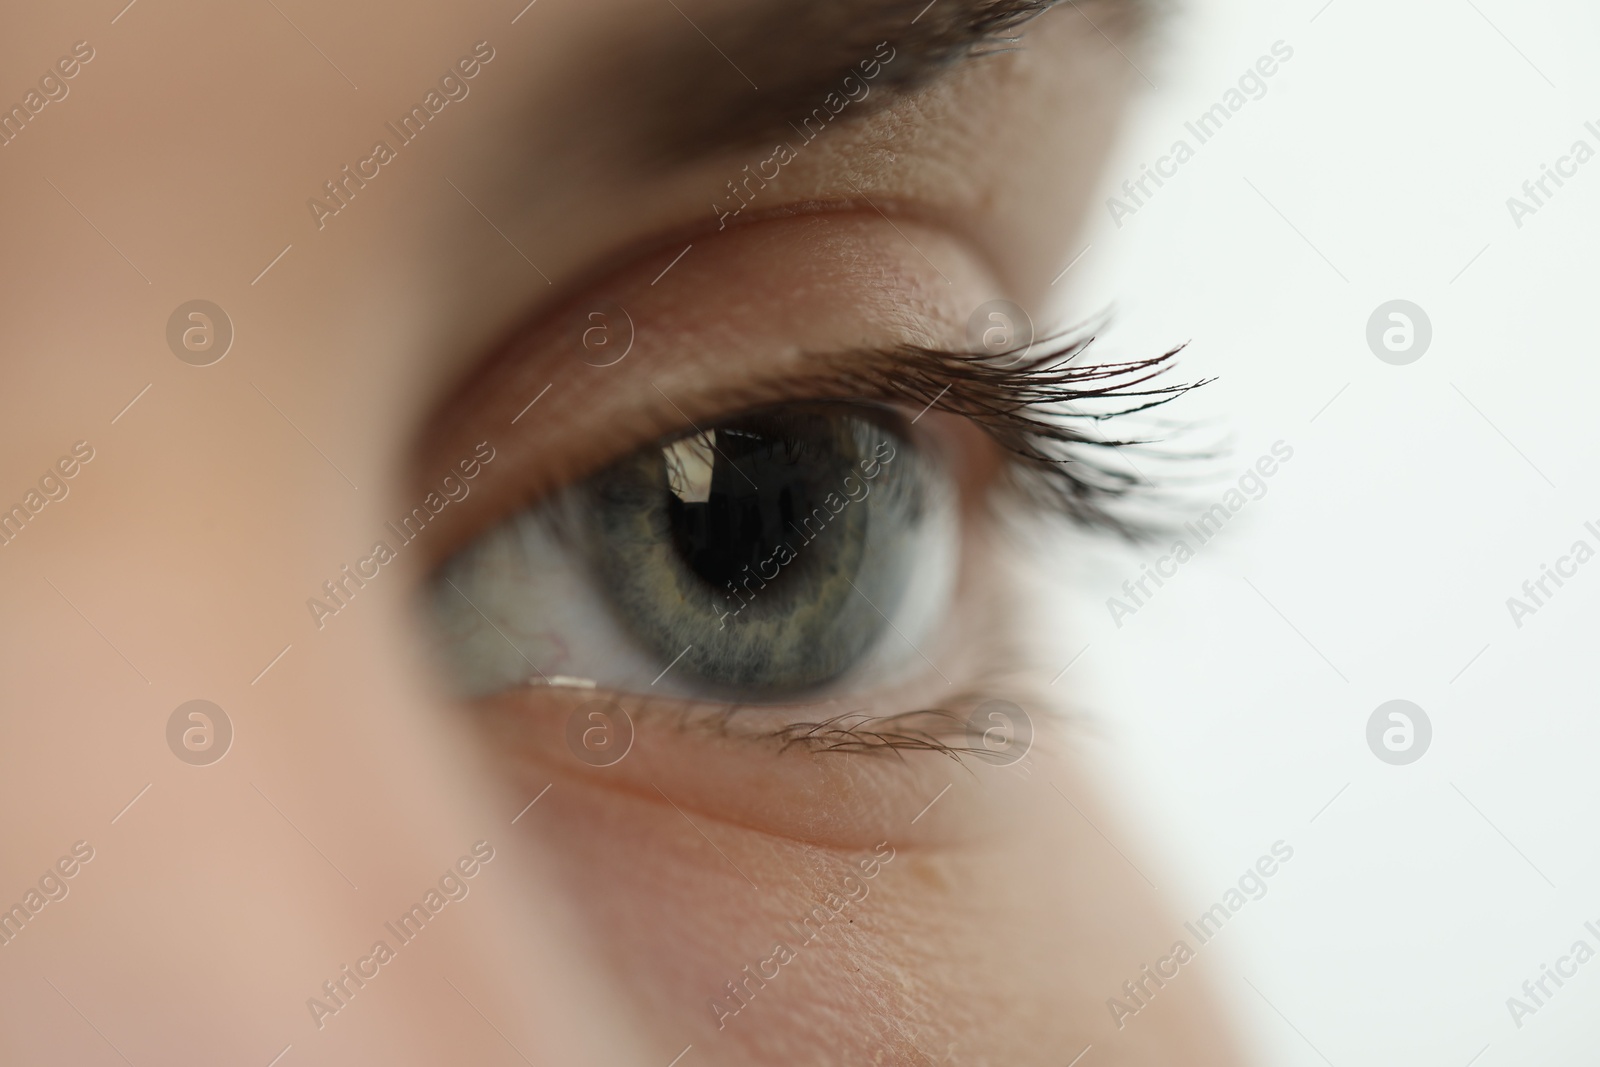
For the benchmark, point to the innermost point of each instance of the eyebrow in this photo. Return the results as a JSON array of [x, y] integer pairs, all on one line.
[[738, 80]]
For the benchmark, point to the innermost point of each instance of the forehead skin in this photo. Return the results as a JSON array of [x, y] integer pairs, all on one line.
[[179, 166]]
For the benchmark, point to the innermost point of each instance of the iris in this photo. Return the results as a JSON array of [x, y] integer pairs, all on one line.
[[772, 547], [759, 559]]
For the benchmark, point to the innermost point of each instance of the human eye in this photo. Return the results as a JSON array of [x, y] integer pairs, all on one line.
[[775, 568], [773, 556]]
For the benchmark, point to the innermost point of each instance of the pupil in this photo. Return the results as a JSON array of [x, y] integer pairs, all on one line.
[[733, 494]]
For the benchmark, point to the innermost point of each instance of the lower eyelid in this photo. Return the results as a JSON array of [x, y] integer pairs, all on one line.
[[676, 755], [756, 767]]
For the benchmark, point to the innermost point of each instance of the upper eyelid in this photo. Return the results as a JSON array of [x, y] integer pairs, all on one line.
[[710, 356], [1011, 405], [778, 350], [661, 419]]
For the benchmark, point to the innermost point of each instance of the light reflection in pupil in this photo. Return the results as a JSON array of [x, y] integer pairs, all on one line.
[[758, 485]]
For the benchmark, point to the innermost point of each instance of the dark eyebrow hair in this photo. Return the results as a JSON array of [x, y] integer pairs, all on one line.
[[738, 80]]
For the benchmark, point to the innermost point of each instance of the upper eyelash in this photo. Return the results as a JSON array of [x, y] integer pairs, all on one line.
[[1021, 400], [988, 29]]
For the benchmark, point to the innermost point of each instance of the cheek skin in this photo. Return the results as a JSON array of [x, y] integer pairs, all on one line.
[[1003, 946]]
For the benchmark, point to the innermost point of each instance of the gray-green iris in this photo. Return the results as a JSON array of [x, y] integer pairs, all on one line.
[[763, 555]]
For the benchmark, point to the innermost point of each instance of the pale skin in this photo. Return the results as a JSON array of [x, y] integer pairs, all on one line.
[[617, 907]]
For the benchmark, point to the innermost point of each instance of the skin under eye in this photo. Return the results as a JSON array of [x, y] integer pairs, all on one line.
[[777, 555]]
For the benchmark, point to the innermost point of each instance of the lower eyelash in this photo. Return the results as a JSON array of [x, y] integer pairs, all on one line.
[[1022, 400], [881, 734], [930, 729]]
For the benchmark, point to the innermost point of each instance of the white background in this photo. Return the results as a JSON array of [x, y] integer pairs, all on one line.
[[1416, 503]]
